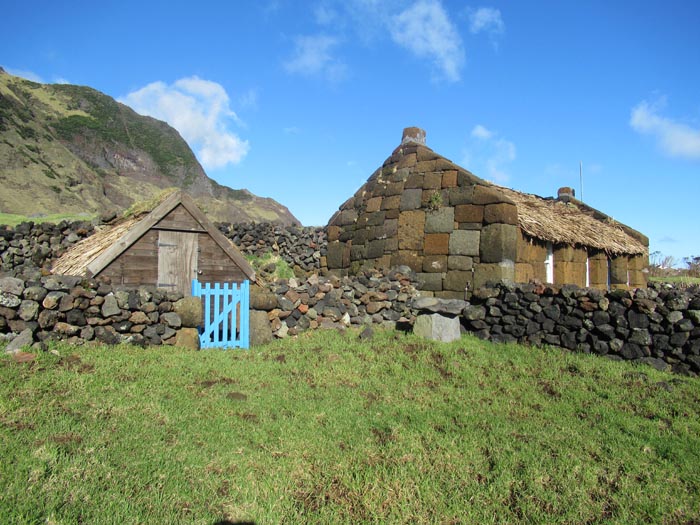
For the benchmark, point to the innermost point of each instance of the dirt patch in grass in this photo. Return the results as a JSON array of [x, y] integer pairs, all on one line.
[[219, 381], [74, 363], [247, 416], [312, 497], [236, 396]]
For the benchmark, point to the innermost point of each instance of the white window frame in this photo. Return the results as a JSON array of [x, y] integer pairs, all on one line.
[[549, 264]]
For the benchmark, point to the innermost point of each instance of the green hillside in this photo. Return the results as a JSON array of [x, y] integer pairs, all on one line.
[[71, 149]]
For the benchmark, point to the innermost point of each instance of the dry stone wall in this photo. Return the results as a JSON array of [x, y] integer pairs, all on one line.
[[29, 246], [77, 310], [659, 325], [304, 249]]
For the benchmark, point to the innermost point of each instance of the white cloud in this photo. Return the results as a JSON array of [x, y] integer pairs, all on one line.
[[248, 99], [676, 139], [489, 153], [486, 19], [313, 55], [480, 132], [29, 75], [325, 15], [292, 130], [199, 109], [425, 29]]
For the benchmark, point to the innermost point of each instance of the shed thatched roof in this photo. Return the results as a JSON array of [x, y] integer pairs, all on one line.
[[573, 223], [78, 256], [93, 254]]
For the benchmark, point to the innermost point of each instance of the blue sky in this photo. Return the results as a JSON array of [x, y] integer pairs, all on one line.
[[302, 101]]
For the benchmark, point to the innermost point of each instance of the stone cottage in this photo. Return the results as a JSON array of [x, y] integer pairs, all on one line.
[[458, 231]]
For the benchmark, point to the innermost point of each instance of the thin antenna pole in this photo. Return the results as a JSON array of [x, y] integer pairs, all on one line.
[[580, 179]]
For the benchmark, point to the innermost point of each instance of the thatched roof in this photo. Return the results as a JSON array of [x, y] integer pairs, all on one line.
[[78, 256], [93, 254], [573, 223]]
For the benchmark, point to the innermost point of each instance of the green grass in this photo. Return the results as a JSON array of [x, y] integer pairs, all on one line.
[[11, 219], [328, 429], [676, 279], [262, 264]]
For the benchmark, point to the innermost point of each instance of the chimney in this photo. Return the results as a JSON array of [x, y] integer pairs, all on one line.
[[565, 194], [415, 135]]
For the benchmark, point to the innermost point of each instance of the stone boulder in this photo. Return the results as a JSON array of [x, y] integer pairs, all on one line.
[[190, 311], [437, 327]]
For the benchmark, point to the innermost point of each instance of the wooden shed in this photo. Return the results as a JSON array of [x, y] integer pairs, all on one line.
[[165, 248]]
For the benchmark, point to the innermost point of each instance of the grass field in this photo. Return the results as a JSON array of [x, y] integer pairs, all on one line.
[[9, 219], [676, 279], [326, 428]]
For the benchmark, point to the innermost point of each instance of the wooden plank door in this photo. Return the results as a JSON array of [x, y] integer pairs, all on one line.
[[177, 260]]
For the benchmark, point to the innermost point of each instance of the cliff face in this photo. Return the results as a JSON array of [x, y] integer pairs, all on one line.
[[71, 149]]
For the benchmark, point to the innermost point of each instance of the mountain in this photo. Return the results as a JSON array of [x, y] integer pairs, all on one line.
[[71, 149]]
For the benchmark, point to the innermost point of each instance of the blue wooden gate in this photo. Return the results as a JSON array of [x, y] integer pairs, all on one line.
[[226, 314]]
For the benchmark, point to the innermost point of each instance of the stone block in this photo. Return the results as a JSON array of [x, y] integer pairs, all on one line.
[[391, 245], [23, 340], [338, 255], [11, 285], [500, 213], [358, 252], [390, 228], [436, 244], [618, 271], [435, 263], [426, 166], [569, 272], [429, 281], [448, 294], [440, 221], [373, 204], [407, 161], [458, 281], [375, 249], [503, 271], [437, 327], [394, 188], [333, 233], [189, 337], [469, 213], [391, 203], [432, 181], [461, 195], [260, 330], [259, 300], [376, 218], [488, 195], [347, 217], [437, 305], [407, 258], [460, 262], [449, 179], [414, 181], [425, 153], [400, 175], [110, 306], [411, 230], [467, 178], [191, 311], [464, 242], [411, 199], [498, 243]]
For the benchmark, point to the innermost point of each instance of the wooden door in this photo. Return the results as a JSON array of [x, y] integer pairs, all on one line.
[[177, 260]]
